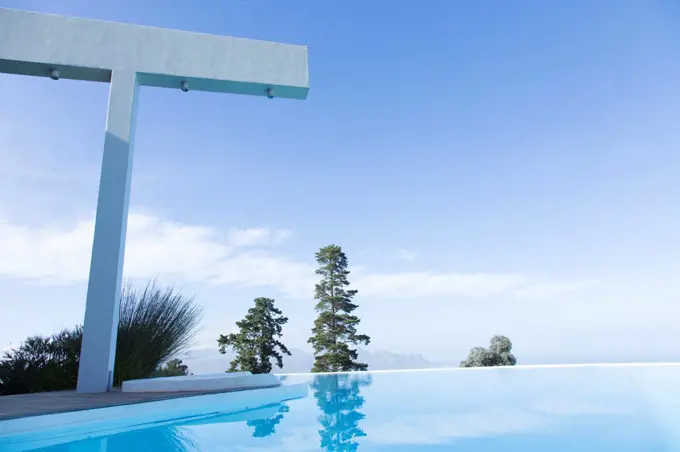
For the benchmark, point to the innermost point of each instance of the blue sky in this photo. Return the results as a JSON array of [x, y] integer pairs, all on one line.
[[496, 167]]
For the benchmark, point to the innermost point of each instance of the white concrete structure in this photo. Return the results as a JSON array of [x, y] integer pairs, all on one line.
[[221, 382], [129, 56]]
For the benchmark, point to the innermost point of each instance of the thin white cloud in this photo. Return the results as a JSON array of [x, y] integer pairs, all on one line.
[[58, 255], [45, 255], [253, 269], [547, 290], [408, 285], [258, 236], [406, 255], [432, 284], [193, 253], [440, 429]]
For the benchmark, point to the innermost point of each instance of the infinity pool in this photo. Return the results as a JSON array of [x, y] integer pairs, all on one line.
[[522, 409]]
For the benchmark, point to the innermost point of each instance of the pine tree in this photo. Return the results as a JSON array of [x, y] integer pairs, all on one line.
[[257, 341], [335, 328]]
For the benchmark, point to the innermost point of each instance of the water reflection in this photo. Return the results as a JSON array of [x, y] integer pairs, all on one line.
[[158, 438], [338, 398], [267, 426], [178, 436], [165, 438], [588, 410]]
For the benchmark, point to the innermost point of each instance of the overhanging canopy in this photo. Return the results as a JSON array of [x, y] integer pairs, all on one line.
[[83, 49]]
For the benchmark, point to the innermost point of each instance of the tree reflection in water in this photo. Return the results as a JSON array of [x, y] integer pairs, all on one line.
[[179, 437], [266, 427], [338, 397]]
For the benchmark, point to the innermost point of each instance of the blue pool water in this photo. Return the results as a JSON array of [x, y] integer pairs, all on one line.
[[545, 409]]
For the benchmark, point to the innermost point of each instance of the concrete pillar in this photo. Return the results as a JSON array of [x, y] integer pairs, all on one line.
[[100, 328]]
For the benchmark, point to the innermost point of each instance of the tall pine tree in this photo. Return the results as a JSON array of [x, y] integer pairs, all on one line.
[[335, 329], [257, 341]]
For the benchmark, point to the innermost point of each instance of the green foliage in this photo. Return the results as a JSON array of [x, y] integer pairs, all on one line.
[[173, 368], [42, 364], [155, 324], [335, 329], [339, 399], [256, 342], [499, 353]]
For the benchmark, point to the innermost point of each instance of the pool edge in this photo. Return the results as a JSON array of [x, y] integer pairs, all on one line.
[[121, 416]]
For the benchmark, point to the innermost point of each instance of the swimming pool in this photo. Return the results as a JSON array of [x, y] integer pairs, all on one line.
[[631, 408]]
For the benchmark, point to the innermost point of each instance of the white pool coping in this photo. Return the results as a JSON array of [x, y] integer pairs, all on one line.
[[28, 433], [518, 367], [210, 382]]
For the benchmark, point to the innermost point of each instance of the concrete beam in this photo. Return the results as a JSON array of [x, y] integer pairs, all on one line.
[[83, 49]]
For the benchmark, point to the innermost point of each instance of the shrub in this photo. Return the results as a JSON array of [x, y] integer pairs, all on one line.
[[155, 325], [42, 364], [173, 368], [499, 353]]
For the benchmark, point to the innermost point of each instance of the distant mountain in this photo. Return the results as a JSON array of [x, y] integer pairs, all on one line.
[[206, 361], [384, 360]]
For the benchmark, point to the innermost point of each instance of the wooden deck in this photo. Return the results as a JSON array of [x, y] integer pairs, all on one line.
[[25, 405]]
